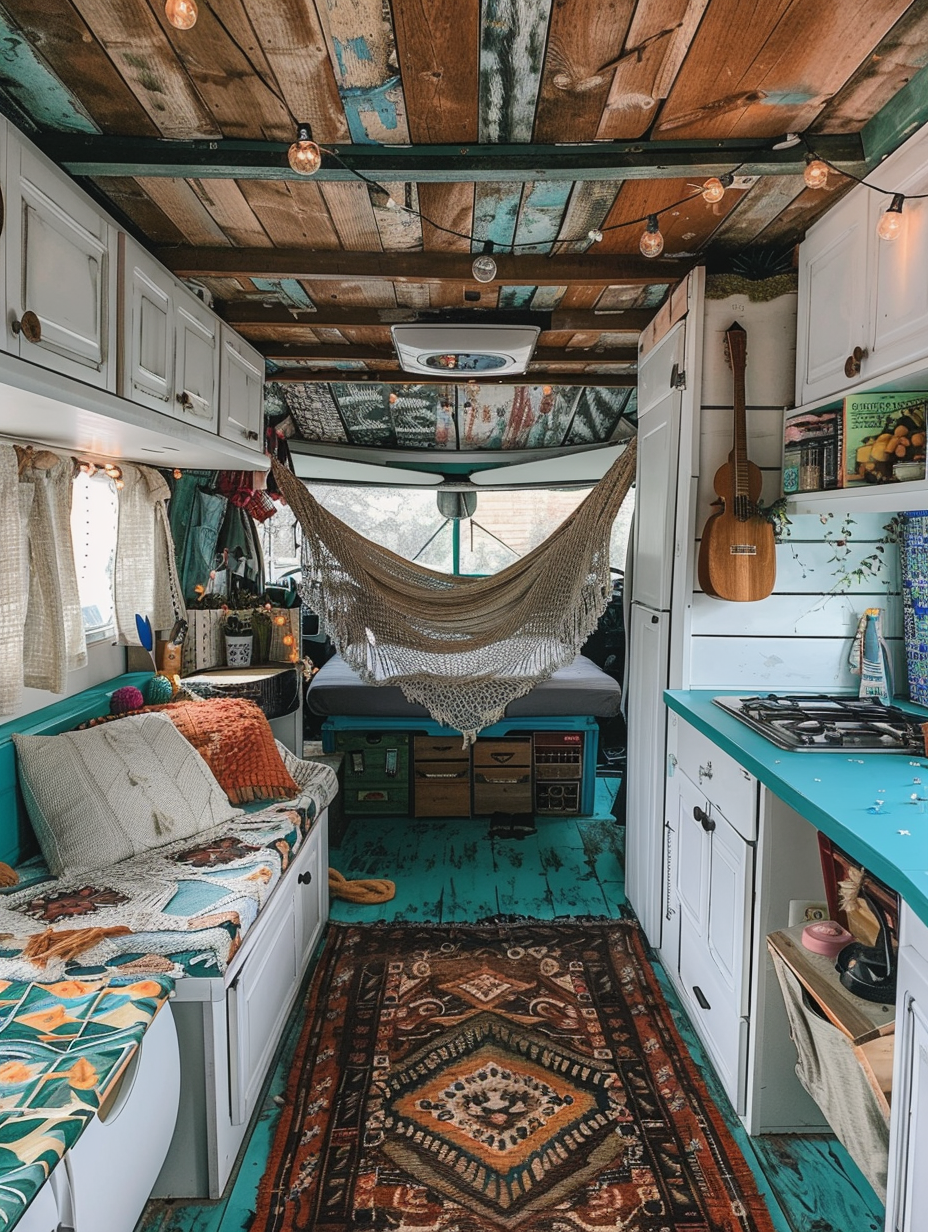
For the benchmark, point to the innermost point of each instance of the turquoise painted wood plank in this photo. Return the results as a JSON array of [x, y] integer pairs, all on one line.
[[513, 34], [496, 211], [362, 48], [546, 299], [573, 886], [516, 297], [818, 1184], [540, 215], [289, 291], [29, 81]]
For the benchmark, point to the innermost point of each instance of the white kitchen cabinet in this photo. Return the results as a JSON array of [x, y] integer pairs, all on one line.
[[907, 1188], [834, 299], [60, 272], [241, 390], [714, 890], [147, 328], [196, 369]]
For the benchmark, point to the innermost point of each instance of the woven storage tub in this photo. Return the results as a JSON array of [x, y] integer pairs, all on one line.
[[274, 687]]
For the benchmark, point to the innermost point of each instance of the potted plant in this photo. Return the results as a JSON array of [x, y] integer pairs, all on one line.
[[261, 626], [238, 634]]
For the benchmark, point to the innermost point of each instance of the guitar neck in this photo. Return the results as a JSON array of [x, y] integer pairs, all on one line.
[[737, 349]]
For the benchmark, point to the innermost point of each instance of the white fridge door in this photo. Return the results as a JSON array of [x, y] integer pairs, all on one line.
[[656, 503], [648, 654]]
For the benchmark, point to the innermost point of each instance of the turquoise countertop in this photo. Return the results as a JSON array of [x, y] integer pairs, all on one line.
[[834, 791]]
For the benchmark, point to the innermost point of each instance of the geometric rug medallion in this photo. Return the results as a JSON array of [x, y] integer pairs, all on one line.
[[471, 1078]]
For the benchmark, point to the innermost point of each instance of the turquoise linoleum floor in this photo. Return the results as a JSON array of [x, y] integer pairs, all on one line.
[[451, 870]]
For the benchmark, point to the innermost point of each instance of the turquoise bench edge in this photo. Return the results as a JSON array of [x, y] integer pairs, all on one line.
[[17, 841], [428, 727]]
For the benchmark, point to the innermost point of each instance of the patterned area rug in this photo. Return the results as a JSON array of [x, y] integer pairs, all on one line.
[[472, 1078]]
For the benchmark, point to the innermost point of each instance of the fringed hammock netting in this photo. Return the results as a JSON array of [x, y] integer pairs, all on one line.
[[462, 647]]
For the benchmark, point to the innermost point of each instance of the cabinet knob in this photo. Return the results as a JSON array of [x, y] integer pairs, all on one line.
[[185, 400], [250, 435], [854, 360], [305, 878], [29, 326], [704, 819]]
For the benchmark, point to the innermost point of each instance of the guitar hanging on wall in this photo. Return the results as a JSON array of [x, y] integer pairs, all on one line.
[[737, 555]]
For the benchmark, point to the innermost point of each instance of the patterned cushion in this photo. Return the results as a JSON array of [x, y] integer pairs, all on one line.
[[236, 742], [98, 796]]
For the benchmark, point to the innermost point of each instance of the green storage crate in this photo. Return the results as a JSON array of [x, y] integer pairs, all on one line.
[[376, 772]]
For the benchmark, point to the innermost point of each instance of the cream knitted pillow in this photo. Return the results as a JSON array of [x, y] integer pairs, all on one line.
[[99, 796]]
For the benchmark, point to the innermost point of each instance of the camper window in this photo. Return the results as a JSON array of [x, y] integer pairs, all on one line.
[[94, 518]]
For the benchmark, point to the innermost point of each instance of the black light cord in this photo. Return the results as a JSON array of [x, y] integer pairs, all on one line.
[[474, 239], [849, 175]]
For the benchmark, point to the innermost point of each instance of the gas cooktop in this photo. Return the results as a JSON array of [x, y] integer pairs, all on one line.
[[818, 723]]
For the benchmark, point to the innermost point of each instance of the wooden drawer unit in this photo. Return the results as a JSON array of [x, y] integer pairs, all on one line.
[[441, 777], [376, 772], [503, 776]]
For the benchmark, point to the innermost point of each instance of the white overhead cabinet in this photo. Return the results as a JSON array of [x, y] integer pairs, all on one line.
[[147, 292], [196, 379], [241, 390], [60, 271]]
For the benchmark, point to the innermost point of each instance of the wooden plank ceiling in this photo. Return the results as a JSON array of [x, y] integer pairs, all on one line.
[[426, 73]]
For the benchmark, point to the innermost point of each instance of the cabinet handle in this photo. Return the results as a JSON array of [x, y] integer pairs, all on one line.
[[704, 819], [701, 997], [185, 400], [29, 326], [854, 360], [705, 772], [305, 878], [250, 435]]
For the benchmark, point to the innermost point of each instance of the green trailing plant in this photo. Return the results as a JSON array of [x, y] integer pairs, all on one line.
[[848, 570]]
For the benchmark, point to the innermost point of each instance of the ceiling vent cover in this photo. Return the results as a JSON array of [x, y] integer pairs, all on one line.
[[468, 351]]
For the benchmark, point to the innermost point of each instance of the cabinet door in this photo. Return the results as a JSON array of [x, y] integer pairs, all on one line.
[[147, 328], [907, 1189], [900, 272], [241, 391], [61, 267], [196, 378], [311, 893], [833, 313]]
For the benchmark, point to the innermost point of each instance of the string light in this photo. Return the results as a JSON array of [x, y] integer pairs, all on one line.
[[651, 242], [815, 173], [182, 14], [595, 235], [304, 156], [890, 224], [484, 267], [713, 190]]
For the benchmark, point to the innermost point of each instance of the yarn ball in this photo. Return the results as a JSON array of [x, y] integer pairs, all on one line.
[[126, 699], [158, 690]]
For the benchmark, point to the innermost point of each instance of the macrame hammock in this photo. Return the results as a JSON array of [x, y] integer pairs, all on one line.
[[462, 647]]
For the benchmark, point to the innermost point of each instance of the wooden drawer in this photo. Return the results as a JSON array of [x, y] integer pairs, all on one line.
[[448, 797], [503, 753], [503, 789], [440, 748], [728, 787]]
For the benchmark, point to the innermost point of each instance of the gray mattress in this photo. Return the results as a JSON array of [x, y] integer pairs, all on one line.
[[580, 688]]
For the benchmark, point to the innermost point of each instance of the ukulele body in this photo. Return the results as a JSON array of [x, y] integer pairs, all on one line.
[[737, 556]]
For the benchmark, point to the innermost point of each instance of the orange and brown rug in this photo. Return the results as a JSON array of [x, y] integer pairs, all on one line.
[[472, 1078]]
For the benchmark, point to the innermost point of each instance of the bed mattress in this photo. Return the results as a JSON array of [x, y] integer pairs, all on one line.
[[579, 688]]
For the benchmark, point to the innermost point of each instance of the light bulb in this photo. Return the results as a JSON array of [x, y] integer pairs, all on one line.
[[815, 173], [484, 267], [890, 223], [182, 14], [595, 235], [651, 242], [304, 156], [713, 190]]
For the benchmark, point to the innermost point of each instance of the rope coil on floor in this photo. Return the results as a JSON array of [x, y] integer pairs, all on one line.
[[373, 890]]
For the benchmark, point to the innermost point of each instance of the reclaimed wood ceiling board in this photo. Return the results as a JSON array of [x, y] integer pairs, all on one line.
[[391, 73]]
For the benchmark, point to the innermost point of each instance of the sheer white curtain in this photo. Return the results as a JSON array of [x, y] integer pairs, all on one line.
[[145, 579], [13, 579]]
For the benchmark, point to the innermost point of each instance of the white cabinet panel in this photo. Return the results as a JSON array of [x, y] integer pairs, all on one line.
[[196, 379], [114, 1164], [61, 267], [900, 271], [311, 893], [241, 391], [833, 311], [647, 657], [147, 328], [655, 502], [907, 1187]]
